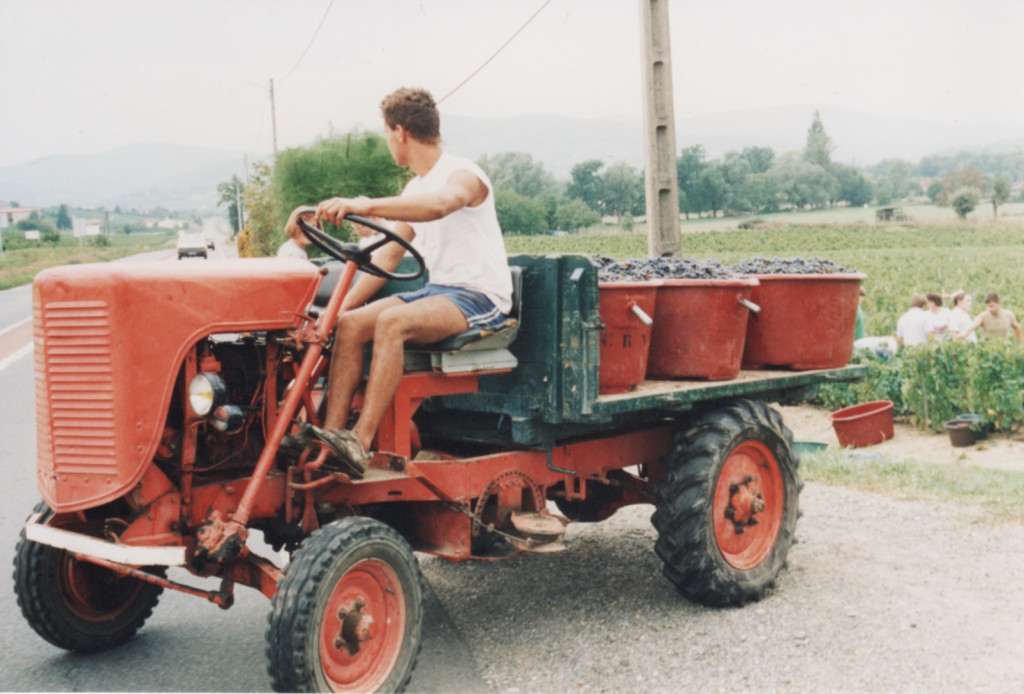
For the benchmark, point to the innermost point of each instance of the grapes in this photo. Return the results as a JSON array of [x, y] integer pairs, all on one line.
[[670, 267], [788, 266], [637, 270]]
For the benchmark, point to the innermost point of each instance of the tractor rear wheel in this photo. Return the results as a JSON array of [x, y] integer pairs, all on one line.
[[348, 614], [77, 605], [727, 504]]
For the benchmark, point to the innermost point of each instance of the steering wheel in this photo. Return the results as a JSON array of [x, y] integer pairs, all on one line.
[[362, 257]]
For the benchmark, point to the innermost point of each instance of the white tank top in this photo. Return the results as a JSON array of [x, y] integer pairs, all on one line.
[[464, 249]]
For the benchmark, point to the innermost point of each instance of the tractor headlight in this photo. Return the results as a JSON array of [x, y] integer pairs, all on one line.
[[228, 418], [205, 391]]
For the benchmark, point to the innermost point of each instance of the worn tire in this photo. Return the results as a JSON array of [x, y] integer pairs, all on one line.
[[717, 546], [76, 605], [309, 641]]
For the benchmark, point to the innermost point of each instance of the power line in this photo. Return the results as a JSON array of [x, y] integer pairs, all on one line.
[[311, 40], [494, 55]]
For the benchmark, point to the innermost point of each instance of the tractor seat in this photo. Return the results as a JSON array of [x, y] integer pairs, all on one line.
[[476, 349]]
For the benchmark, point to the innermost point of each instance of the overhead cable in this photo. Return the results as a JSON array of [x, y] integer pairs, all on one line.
[[500, 49]]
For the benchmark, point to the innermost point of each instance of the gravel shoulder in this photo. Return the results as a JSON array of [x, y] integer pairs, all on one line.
[[880, 595]]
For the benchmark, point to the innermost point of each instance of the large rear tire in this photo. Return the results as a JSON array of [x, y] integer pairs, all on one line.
[[77, 605], [727, 504], [348, 614]]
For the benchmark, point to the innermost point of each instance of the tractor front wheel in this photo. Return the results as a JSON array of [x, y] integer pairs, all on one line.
[[348, 614], [727, 504], [77, 605]]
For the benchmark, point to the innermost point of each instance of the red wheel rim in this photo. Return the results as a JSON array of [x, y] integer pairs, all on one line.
[[363, 627], [749, 501], [92, 593]]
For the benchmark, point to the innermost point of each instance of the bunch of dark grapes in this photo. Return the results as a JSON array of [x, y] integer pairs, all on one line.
[[669, 267], [788, 266]]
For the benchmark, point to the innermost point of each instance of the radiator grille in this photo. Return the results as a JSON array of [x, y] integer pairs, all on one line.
[[77, 392]]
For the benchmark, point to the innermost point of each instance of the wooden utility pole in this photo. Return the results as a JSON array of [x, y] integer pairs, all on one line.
[[273, 117], [660, 177]]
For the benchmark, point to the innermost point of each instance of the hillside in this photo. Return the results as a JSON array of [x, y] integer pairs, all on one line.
[[182, 177]]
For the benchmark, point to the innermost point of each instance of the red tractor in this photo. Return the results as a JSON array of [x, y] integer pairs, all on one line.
[[164, 391]]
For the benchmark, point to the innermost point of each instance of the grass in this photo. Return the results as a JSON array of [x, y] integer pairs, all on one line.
[[19, 266], [1000, 492]]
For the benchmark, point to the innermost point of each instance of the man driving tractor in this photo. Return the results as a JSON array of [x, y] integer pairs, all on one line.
[[448, 208]]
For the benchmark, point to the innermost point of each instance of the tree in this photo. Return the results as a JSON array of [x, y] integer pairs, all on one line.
[[1001, 189], [575, 215], [518, 214], [357, 163], [964, 200], [759, 158], [736, 173], [962, 176], [934, 190], [819, 145], [263, 234], [585, 183], [895, 176], [518, 172], [230, 193], [64, 218], [689, 166], [621, 187], [801, 183], [854, 187], [712, 188]]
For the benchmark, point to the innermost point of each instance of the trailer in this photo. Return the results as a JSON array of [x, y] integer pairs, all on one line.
[[163, 394]]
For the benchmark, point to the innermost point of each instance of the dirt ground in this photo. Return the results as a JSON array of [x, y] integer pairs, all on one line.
[[908, 443]]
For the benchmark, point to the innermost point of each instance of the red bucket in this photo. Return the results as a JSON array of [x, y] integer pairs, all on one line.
[[699, 328], [626, 337], [863, 425], [806, 321]]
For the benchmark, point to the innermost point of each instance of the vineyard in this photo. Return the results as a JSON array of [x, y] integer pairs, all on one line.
[[898, 261], [927, 385]]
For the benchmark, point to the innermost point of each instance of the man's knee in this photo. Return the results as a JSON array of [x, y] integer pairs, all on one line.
[[391, 325], [353, 328]]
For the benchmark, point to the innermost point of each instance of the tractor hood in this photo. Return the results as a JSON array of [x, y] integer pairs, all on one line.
[[109, 341]]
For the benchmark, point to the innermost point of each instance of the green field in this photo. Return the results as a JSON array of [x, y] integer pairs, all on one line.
[[19, 266]]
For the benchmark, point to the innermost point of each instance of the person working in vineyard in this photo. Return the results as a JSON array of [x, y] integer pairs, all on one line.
[[448, 210], [996, 321], [910, 329]]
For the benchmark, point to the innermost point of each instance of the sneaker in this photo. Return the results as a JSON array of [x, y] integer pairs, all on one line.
[[292, 446], [349, 455]]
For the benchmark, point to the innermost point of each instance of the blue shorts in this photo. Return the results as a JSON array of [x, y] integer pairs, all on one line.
[[479, 311]]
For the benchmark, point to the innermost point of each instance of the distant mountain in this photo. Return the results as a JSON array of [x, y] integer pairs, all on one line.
[[186, 178], [135, 176]]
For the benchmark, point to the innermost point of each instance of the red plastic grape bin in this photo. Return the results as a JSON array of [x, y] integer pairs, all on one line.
[[806, 321], [699, 328], [626, 338], [863, 425]]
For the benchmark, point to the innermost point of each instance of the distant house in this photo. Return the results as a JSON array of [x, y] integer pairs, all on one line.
[[13, 215]]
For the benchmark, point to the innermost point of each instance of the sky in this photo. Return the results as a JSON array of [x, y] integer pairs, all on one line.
[[86, 76]]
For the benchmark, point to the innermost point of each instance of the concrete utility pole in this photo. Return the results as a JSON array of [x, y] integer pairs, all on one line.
[[661, 179], [273, 117]]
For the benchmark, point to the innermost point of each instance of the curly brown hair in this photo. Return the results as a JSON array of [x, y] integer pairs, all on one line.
[[414, 109]]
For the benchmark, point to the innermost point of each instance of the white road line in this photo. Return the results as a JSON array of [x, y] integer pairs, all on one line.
[[11, 328], [15, 356]]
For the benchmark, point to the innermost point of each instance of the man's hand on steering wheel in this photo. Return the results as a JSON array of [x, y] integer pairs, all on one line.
[[336, 209], [360, 256]]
